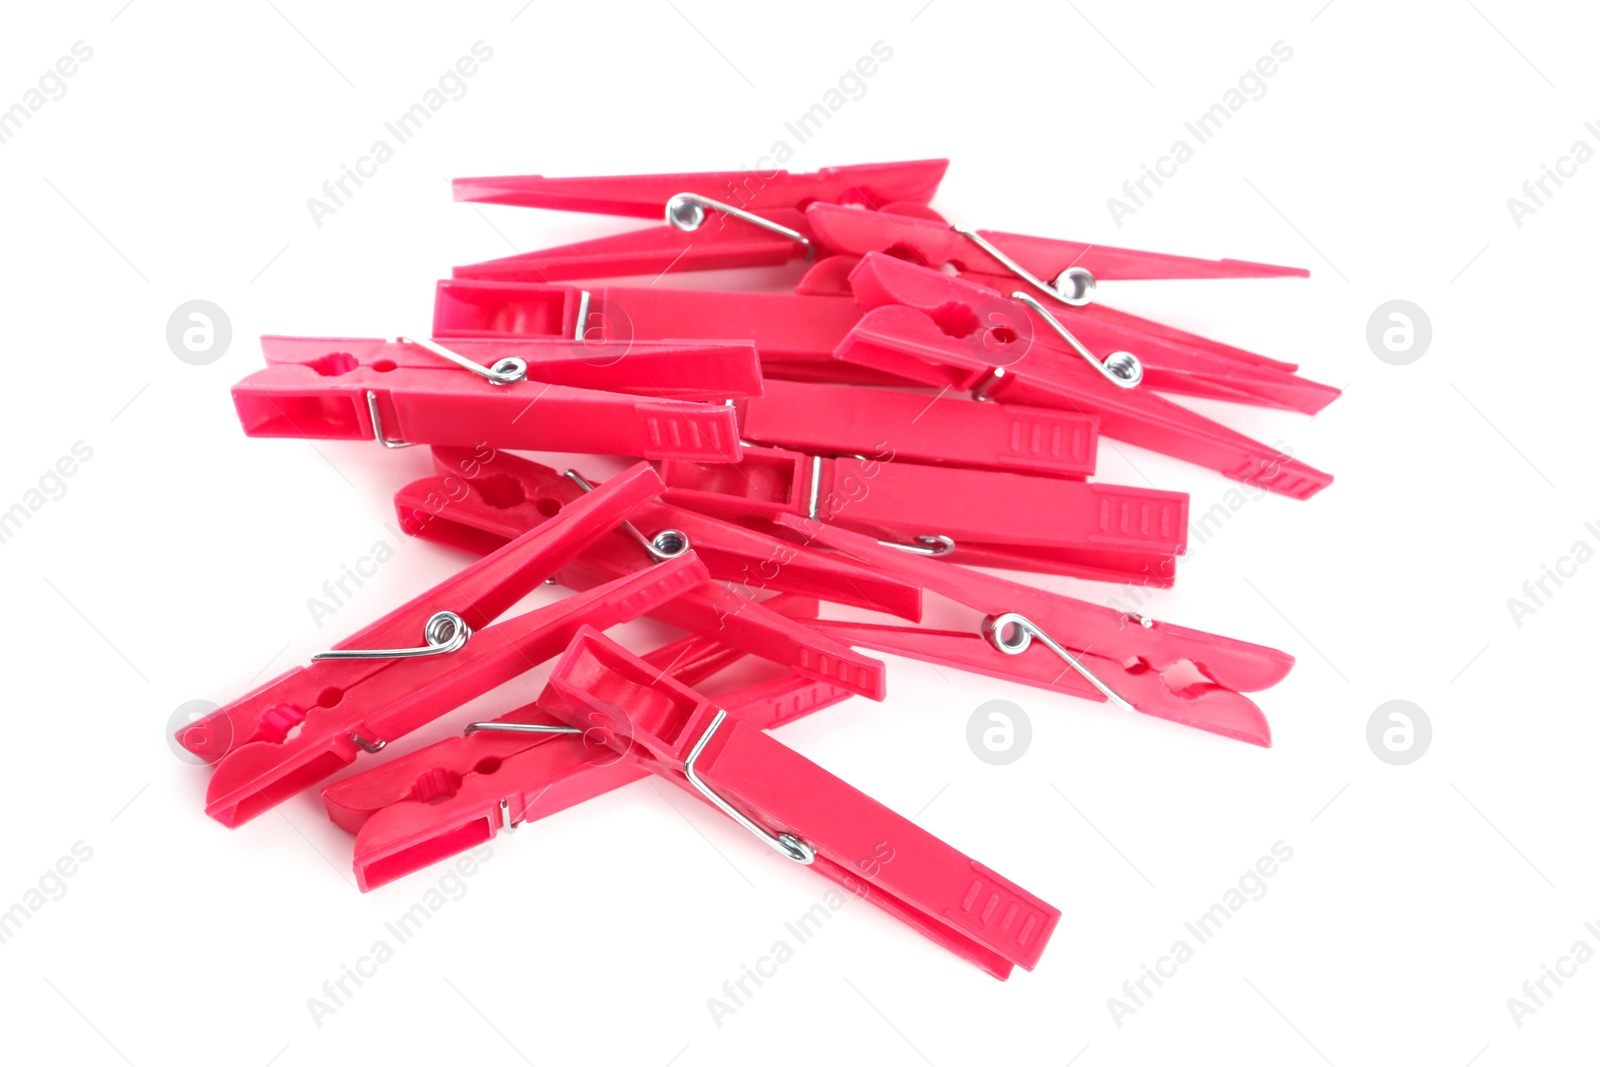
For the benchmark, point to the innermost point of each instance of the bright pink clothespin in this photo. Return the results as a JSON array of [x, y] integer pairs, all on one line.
[[1087, 650], [1065, 271], [782, 327], [679, 370], [713, 610], [381, 683], [415, 391], [1168, 364], [526, 765], [948, 332], [479, 503], [756, 218], [987, 518], [831, 277], [842, 420], [796, 808]]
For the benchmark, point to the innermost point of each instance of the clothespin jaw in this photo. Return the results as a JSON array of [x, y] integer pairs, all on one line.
[[380, 683], [478, 503], [1140, 664], [797, 808], [929, 330], [437, 801], [1091, 530], [362, 392], [841, 420]]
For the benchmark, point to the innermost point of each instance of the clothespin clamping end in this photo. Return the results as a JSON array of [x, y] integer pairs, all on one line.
[[1056, 642], [526, 765]]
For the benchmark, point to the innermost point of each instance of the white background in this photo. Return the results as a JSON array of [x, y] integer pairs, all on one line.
[[178, 564]]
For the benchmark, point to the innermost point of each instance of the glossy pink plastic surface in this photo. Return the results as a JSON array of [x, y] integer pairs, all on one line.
[[304, 725], [423, 399], [1173, 349], [833, 420], [443, 799], [645, 196], [1171, 672], [677, 370], [1086, 529], [479, 504], [783, 328], [856, 232], [862, 845], [1171, 364], [721, 242], [934, 336], [712, 610]]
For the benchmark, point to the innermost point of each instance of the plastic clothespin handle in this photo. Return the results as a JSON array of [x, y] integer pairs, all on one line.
[[942, 431], [645, 195], [783, 328], [1091, 530], [853, 840]]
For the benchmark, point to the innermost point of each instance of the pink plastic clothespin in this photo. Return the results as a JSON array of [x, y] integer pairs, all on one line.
[[1169, 363], [784, 328], [831, 277], [1172, 672], [525, 765], [987, 518], [380, 684], [415, 391], [755, 218], [713, 610], [479, 503], [797, 808], [1065, 271], [839, 420], [951, 333]]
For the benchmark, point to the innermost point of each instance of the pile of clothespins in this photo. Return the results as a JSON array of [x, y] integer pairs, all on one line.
[[926, 399]]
